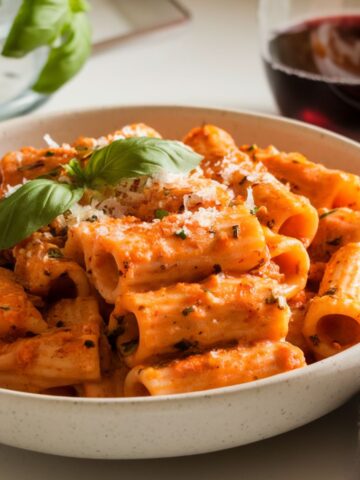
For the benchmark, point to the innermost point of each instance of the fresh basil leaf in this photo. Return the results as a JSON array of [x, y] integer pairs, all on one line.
[[37, 23], [137, 156], [67, 59], [79, 5], [33, 206], [74, 169]]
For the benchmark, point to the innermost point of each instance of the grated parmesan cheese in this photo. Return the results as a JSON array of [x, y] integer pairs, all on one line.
[[249, 202], [79, 213], [204, 217], [50, 142], [111, 206], [10, 189], [164, 178], [102, 142]]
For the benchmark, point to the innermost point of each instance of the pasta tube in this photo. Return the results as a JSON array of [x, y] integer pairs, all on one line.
[[84, 311], [189, 247], [54, 359], [284, 212], [323, 186], [214, 369], [85, 145], [29, 163], [332, 323], [18, 316], [188, 317], [292, 260], [298, 307], [69, 312], [43, 270], [337, 227]]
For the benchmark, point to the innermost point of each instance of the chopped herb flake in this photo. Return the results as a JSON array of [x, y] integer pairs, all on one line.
[[181, 234], [188, 310], [217, 268], [254, 210], [330, 291], [60, 324], [5, 308], [325, 214], [92, 219], [160, 213], [32, 166], [315, 340], [55, 253], [270, 223], [235, 231], [272, 299], [49, 153], [89, 344], [335, 241]]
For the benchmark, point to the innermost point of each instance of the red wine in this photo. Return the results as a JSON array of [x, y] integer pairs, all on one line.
[[314, 72]]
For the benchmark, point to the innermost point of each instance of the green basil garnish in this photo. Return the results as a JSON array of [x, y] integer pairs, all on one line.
[[138, 156], [37, 202], [66, 60], [37, 23], [33, 206], [60, 24]]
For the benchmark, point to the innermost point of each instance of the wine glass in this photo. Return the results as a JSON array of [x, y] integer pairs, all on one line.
[[17, 75], [311, 55]]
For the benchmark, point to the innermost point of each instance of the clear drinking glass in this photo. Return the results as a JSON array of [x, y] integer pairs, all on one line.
[[17, 74], [311, 54]]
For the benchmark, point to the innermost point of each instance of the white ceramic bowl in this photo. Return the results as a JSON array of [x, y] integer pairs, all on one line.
[[187, 423]]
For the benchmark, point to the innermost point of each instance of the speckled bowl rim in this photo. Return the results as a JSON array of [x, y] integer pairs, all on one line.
[[338, 359]]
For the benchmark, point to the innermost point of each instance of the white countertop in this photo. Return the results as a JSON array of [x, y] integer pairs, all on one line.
[[212, 61]]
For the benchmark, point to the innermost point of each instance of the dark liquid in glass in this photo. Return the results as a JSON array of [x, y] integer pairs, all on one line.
[[314, 71]]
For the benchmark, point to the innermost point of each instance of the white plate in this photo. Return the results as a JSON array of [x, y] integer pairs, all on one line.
[[188, 423]]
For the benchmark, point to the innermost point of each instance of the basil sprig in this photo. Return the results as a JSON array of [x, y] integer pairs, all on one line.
[[32, 206], [61, 24], [134, 157], [37, 202]]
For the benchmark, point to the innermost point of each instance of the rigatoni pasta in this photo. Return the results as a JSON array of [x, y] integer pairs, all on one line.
[[188, 247], [56, 272], [189, 317], [283, 211], [169, 271], [332, 322], [325, 188], [292, 261], [214, 369]]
